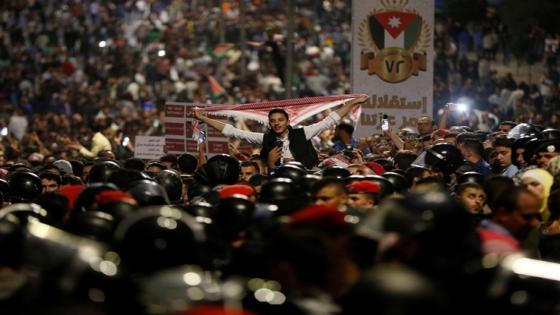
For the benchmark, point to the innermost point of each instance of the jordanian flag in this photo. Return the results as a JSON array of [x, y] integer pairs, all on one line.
[[215, 87], [221, 50], [395, 29]]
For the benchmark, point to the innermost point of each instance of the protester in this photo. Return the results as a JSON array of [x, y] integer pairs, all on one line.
[[282, 143]]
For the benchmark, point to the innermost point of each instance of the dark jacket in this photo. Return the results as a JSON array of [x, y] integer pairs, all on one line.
[[301, 148]]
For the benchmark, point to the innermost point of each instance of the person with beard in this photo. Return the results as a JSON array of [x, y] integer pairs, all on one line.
[[472, 197]]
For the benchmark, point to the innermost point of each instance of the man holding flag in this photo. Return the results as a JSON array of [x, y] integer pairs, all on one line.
[[282, 143]]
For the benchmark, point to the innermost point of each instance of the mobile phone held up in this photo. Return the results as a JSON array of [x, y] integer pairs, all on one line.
[[348, 151], [201, 136], [458, 107], [385, 123], [279, 143], [125, 141]]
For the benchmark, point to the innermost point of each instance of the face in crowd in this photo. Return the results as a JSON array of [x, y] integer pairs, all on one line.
[[362, 201], [473, 199], [525, 217], [278, 123], [543, 158], [247, 172], [503, 156], [505, 128], [424, 125], [49, 185], [331, 195]]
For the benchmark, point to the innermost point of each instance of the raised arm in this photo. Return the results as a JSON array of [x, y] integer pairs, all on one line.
[[345, 109], [397, 141], [229, 130], [332, 120], [212, 122], [442, 124]]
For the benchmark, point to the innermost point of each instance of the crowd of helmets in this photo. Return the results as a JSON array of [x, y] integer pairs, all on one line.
[[126, 241], [119, 239]]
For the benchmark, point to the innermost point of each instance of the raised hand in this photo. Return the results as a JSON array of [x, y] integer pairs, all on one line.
[[274, 155]]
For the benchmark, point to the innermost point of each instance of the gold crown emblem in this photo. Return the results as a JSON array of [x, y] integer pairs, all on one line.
[[393, 42]]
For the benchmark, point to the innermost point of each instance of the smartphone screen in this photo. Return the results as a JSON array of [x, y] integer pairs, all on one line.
[[385, 123], [125, 141], [201, 136], [279, 143]]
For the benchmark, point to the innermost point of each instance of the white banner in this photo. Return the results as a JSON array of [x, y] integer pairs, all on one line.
[[392, 61], [148, 148]]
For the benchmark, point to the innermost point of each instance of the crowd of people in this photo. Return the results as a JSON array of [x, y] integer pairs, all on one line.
[[70, 65], [459, 212]]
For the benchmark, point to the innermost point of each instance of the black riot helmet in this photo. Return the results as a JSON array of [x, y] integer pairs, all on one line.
[[530, 149], [124, 177], [159, 237], [471, 177], [434, 213], [116, 203], [353, 178], [399, 182], [201, 176], [386, 187], [22, 212], [148, 193], [94, 225], [296, 163], [191, 285], [172, 183], [25, 186], [444, 157], [277, 189], [307, 182], [550, 134], [383, 287], [523, 130], [220, 169], [86, 199], [441, 229], [201, 209], [234, 216], [292, 172], [521, 142], [197, 188], [336, 171], [6, 190], [284, 193], [11, 243], [102, 170]]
